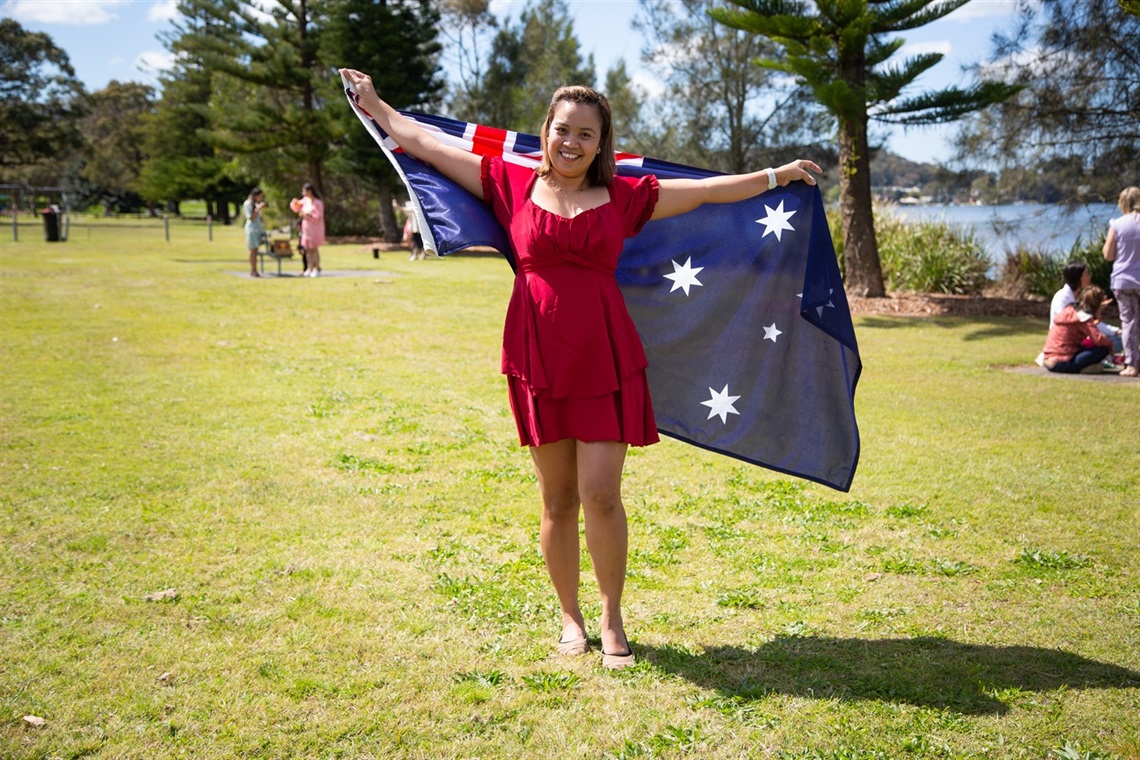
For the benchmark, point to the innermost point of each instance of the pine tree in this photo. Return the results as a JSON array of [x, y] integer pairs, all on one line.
[[394, 41], [840, 49]]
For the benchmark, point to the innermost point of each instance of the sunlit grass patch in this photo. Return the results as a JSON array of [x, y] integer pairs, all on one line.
[[1050, 559], [319, 483]]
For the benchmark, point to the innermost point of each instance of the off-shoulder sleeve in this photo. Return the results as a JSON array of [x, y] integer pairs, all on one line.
[[635, 198]]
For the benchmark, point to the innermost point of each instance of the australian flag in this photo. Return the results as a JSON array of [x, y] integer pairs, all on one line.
[[740, 307]]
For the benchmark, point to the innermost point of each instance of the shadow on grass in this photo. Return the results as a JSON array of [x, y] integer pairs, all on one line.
[[926, 672]]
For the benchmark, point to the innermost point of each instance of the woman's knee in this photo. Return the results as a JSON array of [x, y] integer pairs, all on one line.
[[560, 503], [601, 500]]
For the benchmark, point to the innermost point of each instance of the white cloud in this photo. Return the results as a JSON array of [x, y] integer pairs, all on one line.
[[166, 10], [73, 12], [153, 62], [649, 84], [922, 48], [979, 9]]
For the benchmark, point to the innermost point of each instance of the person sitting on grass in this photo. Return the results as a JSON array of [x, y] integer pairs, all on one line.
[[1074, 341], [1078, 276]]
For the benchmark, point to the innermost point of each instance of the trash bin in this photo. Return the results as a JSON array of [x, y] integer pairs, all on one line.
[[51, 225]]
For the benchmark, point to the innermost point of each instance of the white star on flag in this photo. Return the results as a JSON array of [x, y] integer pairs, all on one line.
[[819, 309], [684, 276], [771, 333], [721, 404], [776, 221]]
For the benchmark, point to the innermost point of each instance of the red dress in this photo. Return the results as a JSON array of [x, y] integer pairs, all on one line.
[[572, 356]]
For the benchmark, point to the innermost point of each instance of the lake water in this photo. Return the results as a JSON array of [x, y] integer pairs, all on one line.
[[1039, 226]]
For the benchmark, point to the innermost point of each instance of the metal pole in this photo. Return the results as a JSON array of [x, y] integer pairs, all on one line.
[[15, 228], [166, 226], [209, 228]]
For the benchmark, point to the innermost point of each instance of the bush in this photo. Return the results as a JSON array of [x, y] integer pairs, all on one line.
[[1033, 271], [1030, 271], [923, 257]]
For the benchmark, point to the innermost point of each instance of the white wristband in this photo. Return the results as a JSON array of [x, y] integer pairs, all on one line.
[[771, 178]]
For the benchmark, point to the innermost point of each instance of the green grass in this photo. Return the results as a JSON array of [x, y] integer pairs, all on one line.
[[325, 474]]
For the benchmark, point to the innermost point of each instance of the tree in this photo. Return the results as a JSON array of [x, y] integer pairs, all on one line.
[[114, 129], [1079, 64], [722, 111], [40, 102], [466, 22], [839, 49], [529, 61], [626, 103], [369, 35], [275, 112], [180, 163]]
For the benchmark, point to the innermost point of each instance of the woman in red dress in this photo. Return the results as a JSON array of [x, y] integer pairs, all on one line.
[[574, 363]]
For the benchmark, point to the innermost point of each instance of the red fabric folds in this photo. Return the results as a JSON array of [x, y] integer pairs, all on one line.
[[574, 360]]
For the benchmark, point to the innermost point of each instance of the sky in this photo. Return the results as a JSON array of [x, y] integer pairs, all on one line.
[[121, 39]]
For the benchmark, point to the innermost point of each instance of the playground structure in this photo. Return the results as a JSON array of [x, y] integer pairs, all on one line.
[[49, 203]]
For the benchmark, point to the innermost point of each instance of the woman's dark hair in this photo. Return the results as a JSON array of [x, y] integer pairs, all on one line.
[[1090, 299], [603, 167], [255, 191], [1073, 273], [309, 186]]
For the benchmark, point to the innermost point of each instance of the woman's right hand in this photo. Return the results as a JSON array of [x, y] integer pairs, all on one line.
[[361, 84]]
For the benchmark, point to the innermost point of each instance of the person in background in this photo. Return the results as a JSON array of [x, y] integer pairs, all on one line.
[[1074, 341], [254, 226], [311, 209], [412, 236], [1122, 248], [1078, 276]]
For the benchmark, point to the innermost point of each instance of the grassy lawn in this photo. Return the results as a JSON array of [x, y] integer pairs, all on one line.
[[323, 478]]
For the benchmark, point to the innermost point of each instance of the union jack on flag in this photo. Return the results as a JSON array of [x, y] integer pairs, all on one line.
[[740, 306]]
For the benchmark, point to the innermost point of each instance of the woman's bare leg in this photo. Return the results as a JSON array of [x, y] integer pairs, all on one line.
[[556, 465], [599, 486], [314, 258], [253, 263]]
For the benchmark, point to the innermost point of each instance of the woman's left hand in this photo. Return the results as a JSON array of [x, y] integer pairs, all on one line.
[[797, 170]]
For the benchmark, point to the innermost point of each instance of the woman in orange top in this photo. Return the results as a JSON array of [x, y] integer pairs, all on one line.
[[1074, 341]]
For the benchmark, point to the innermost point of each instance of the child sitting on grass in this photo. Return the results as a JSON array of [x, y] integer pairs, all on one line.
[[1074, 341]]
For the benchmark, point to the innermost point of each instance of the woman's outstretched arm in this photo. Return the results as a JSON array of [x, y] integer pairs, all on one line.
[[455, 164], [677, 196]]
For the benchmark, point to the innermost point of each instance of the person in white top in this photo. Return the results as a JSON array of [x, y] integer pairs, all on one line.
[[1077, 277], [1122, 248]]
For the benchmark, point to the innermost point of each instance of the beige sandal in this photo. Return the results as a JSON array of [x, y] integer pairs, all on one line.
[[573, 647], [616, 661]]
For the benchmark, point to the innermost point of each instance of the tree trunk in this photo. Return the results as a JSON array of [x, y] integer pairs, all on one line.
[[862, 270], [389, 230]]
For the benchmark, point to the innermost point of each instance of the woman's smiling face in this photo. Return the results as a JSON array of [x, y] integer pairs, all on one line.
[[573, 139]]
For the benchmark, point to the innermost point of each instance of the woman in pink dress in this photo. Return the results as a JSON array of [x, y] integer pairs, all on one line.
[[311, 209], [574, 363]]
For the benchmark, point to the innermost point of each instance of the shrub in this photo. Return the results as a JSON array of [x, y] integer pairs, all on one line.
[[923, 257], [1035, 271]]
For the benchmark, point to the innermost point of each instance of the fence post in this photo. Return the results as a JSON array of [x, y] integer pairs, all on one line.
[[15, 228], [209, 228], [166, 226]]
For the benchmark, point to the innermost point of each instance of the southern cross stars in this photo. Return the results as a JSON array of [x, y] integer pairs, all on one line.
[[685, 276], [776, 220], [721, 404], [771, 333]]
